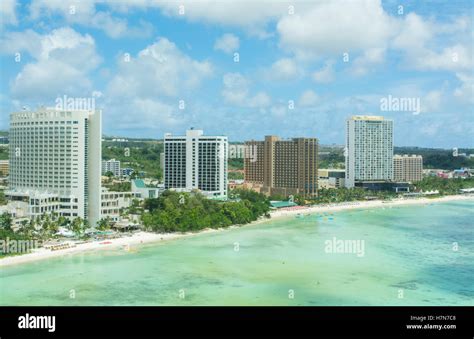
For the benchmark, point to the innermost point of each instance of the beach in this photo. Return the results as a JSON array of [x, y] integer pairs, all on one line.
[[139, 238]]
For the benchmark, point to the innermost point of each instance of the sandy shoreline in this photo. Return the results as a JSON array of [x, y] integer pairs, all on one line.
[[127, 243]]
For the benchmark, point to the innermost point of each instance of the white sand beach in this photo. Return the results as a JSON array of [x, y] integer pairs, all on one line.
[[284, 212], [128, 243]]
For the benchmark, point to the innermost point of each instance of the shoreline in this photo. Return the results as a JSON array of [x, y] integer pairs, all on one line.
[[142, 237]]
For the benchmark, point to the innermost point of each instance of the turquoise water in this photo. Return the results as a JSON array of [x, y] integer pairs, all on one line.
[[408, 260]]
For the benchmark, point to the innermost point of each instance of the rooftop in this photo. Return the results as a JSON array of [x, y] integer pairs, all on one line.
[[281, 204]]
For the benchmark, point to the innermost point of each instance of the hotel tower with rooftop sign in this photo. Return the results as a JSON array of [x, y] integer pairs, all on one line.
[[55, 162]]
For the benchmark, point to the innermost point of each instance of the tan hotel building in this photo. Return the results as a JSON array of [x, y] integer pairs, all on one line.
[[3, 168], [407, 168], [283, 167]]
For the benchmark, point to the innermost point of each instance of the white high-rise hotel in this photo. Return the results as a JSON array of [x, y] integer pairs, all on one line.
[[196, 161], [55, 162], [369, 150]]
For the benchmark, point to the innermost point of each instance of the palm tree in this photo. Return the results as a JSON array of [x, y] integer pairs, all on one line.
[[103, 224], [6, 221], [77, 226]]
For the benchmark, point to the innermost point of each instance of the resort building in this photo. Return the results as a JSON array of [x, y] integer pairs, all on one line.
[[331, 178], [407, 168], [113, 202], [369, 151], [3, 168], [283, 167], [111, 165], [196, 162], [146, 191], [55, 162]]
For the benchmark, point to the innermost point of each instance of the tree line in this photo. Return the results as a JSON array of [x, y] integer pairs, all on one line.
[[183, 212]]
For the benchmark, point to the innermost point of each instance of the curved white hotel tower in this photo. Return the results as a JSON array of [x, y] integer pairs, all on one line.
[[369, 150], [196, 161], [55, 162]]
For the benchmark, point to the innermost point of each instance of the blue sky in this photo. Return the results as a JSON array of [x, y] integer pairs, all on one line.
[[303, 66]]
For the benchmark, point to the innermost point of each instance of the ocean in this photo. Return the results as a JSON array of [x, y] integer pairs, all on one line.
[[404, 255]]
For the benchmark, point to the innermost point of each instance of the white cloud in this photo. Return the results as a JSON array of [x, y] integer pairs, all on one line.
[[47, 79], [153, 113], [431, 102], [285, 69], [8, 13], [252, 17], [423, 50], [228, 43], [325, 74], [360, 25], [236, 91], [279, 111], [367, 61], [261, 99], [465, 92], [16, 42], [308, 98], [85, 13], [150, 85], [63, 60], [160, 69]]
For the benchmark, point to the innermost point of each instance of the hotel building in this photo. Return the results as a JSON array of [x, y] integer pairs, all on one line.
[[283, 167], [331, 178], [4, 168], [369, 150], [111, 165], [196, 162], [55, 162], [113, 202], [407, 168]]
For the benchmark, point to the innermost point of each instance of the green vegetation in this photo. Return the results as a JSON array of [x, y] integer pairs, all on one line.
[[10, 235], [235, 163], [182, 212], [6, 221], [342, 194], [4, 153], [125, 186], [142, 156], [439, 158], [444, 186], [335, 159], [235, 175], [42, 227], [3, 199]]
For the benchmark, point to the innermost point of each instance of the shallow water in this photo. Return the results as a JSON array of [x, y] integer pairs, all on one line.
[[408, 260]]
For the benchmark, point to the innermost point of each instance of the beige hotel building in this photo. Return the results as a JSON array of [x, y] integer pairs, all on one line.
[[283, 167], [407, 168]]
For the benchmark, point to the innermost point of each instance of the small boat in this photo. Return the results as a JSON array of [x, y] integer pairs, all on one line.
[[105, 242]]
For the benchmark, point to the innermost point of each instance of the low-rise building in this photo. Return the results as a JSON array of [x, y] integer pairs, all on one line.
[[113, 202], [146, 191], [111, 165], [331, 178]]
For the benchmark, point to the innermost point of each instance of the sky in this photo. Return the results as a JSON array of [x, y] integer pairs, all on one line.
[[246, 69]]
